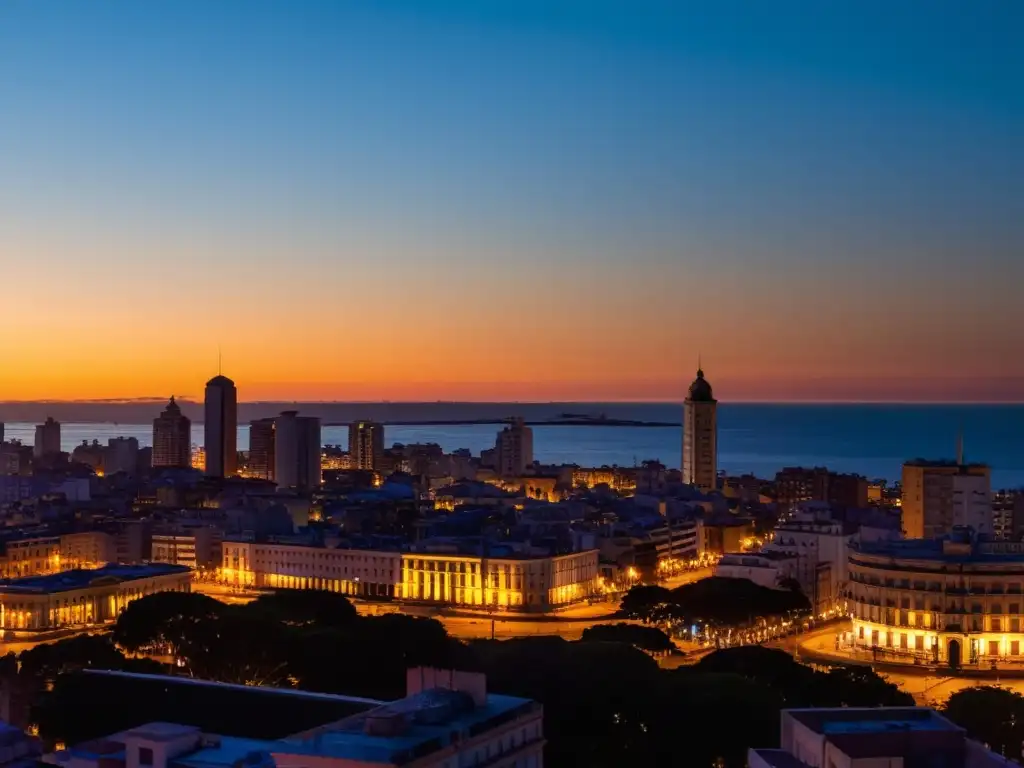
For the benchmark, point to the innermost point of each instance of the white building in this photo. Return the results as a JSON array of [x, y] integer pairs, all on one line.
[[297, 451], [767, 569], [520, 581], [972, 503], [820, 547], [297, 566]]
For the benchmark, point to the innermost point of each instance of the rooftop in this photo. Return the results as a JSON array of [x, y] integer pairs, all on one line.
[[943, 464], [865, 720], [394, 733], [241, 711], [961, 546], [430, 720], [80, 578]]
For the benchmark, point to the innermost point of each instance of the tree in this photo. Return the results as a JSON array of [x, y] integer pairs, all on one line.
[[243, 648], [597, 696], [646, 603], [693, 707], [649, 639], [305, 608], [178, 621], [991, 715]]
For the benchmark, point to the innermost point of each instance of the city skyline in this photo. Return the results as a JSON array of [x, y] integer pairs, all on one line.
[[513, 202]]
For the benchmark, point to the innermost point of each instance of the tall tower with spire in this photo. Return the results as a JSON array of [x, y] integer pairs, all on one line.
[[220, 427], [700, 435]]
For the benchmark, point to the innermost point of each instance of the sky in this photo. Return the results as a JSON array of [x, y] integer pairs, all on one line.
[[489, 200]]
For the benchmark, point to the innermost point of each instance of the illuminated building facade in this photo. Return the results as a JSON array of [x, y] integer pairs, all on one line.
[[366, 444], [30, 557], [196, 547], [199, 458], [296, 566], [940, 495], [522, 583], [700, 435], [87, 549], [82, 597], [616, 478], [955, 600], [172, 438]]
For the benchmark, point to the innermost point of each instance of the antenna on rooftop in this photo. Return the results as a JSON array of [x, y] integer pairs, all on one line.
[[960, 447]]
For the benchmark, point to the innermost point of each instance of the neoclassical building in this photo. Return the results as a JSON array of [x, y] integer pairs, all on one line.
[[955, 600], [506, 581], [84, 597]]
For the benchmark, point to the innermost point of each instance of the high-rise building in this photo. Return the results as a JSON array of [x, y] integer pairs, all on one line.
[[122, 456], [513, 449], [172, 438], [261, 449], [938, 495], [366, 444], [220, 427], [794, 485], [47, 439], [700, 435], [297, 451]]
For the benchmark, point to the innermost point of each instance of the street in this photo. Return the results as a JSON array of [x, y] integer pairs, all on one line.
[[926, 686]]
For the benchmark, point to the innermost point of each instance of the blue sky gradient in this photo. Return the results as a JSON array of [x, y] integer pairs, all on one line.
[[793, 174]]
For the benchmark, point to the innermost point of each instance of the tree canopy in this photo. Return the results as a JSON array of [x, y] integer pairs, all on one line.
[[644, 638], [992, 715], [606, 703], [717, 601]]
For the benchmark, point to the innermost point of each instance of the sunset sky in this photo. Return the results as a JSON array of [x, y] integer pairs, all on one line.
[[484, 200]]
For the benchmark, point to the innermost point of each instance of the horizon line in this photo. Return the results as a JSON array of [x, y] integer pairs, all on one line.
[[658, 401]]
